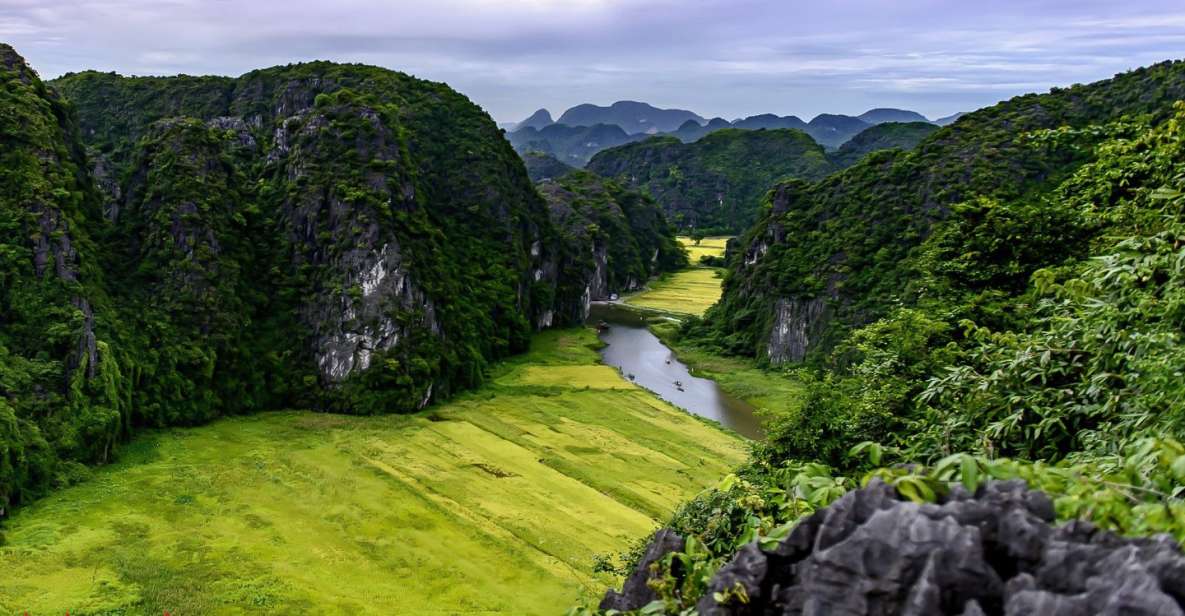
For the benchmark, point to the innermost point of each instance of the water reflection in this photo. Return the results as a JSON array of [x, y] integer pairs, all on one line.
[[637, 352]]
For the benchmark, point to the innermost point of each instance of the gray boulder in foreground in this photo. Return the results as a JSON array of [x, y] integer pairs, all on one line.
[[994, 552]]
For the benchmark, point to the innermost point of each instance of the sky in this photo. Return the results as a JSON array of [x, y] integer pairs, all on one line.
[[728, 58]]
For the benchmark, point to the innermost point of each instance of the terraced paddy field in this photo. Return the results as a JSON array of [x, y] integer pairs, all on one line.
[[493, 503], [689, 291]]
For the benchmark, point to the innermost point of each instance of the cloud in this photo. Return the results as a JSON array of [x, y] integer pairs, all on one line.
[[718, 57]]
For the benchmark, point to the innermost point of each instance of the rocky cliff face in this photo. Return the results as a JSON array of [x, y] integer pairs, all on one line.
[[994, 552], [333, 221], [406, 225], [796, 327]]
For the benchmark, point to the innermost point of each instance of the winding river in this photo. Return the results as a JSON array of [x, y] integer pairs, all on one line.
[[640, 355]]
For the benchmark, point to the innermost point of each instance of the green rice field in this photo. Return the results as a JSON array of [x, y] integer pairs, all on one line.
[[689, 291], [493, 503]]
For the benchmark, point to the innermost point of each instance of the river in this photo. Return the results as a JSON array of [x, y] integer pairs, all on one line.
[[641, 356]]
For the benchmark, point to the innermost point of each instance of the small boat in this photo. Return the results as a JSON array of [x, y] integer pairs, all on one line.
[[679, 387], [602, 326], [668, 361], [679, 384]]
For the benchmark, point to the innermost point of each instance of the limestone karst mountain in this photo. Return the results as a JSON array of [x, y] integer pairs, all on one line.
[[327, 236]]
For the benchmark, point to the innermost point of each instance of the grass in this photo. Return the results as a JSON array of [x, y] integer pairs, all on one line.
[[772, 392], [690, 291], [495, 503]]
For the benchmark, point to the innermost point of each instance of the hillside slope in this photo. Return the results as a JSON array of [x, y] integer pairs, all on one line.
[[616, 239], [831, 254], [323, 236], [714, 184], [883, 136], [571, 145]]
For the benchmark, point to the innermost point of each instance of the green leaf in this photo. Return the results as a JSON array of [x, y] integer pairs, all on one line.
[[1164, 192], [969, 469]]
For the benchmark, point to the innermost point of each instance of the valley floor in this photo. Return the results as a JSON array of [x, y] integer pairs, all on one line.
[[689, 291], [494, 503], [692, 291]]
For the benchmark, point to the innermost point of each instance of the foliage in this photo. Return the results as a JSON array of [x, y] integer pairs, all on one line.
[[714, 185], [852, 237], [603, 225], [884, 136], [1098, 363], [542, 166], [241, 231], [1135, 493], [989, 329]]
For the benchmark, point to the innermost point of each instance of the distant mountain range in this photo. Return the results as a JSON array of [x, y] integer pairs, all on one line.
[[584, 130], [633, 117]]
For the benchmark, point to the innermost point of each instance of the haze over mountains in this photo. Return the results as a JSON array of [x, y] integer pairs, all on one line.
[[584, 130]]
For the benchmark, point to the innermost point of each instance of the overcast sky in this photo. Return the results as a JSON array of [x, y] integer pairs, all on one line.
[[729, 58]]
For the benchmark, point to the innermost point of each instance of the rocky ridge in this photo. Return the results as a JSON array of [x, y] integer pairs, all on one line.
[[996, 551]]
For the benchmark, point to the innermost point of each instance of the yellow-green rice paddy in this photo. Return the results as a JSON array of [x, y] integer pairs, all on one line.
[[494, 503], [690, 291]]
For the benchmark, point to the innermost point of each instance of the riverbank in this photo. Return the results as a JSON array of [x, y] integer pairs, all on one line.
[[670, 299], [632, 348], [494, 503], [772, 392]]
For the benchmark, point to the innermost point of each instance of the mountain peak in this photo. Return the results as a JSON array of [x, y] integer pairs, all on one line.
[[537, 120], [880, 115], [13, 61], [632, 116]]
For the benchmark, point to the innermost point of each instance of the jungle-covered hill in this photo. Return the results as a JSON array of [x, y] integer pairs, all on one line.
[[883, 136], [326, 236], [839, 252], [714, 184], [1004, 302]]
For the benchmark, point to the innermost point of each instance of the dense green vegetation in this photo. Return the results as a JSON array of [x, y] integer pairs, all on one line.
[[493, 503], [713, 185], [1019, 315], [322, 236], [614, 239], [847, 240], [542, 166], [717, 183], [884, 136]]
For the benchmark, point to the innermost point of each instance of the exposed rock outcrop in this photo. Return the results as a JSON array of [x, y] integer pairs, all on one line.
[[636, 591], [795, 327], [994, 552]]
